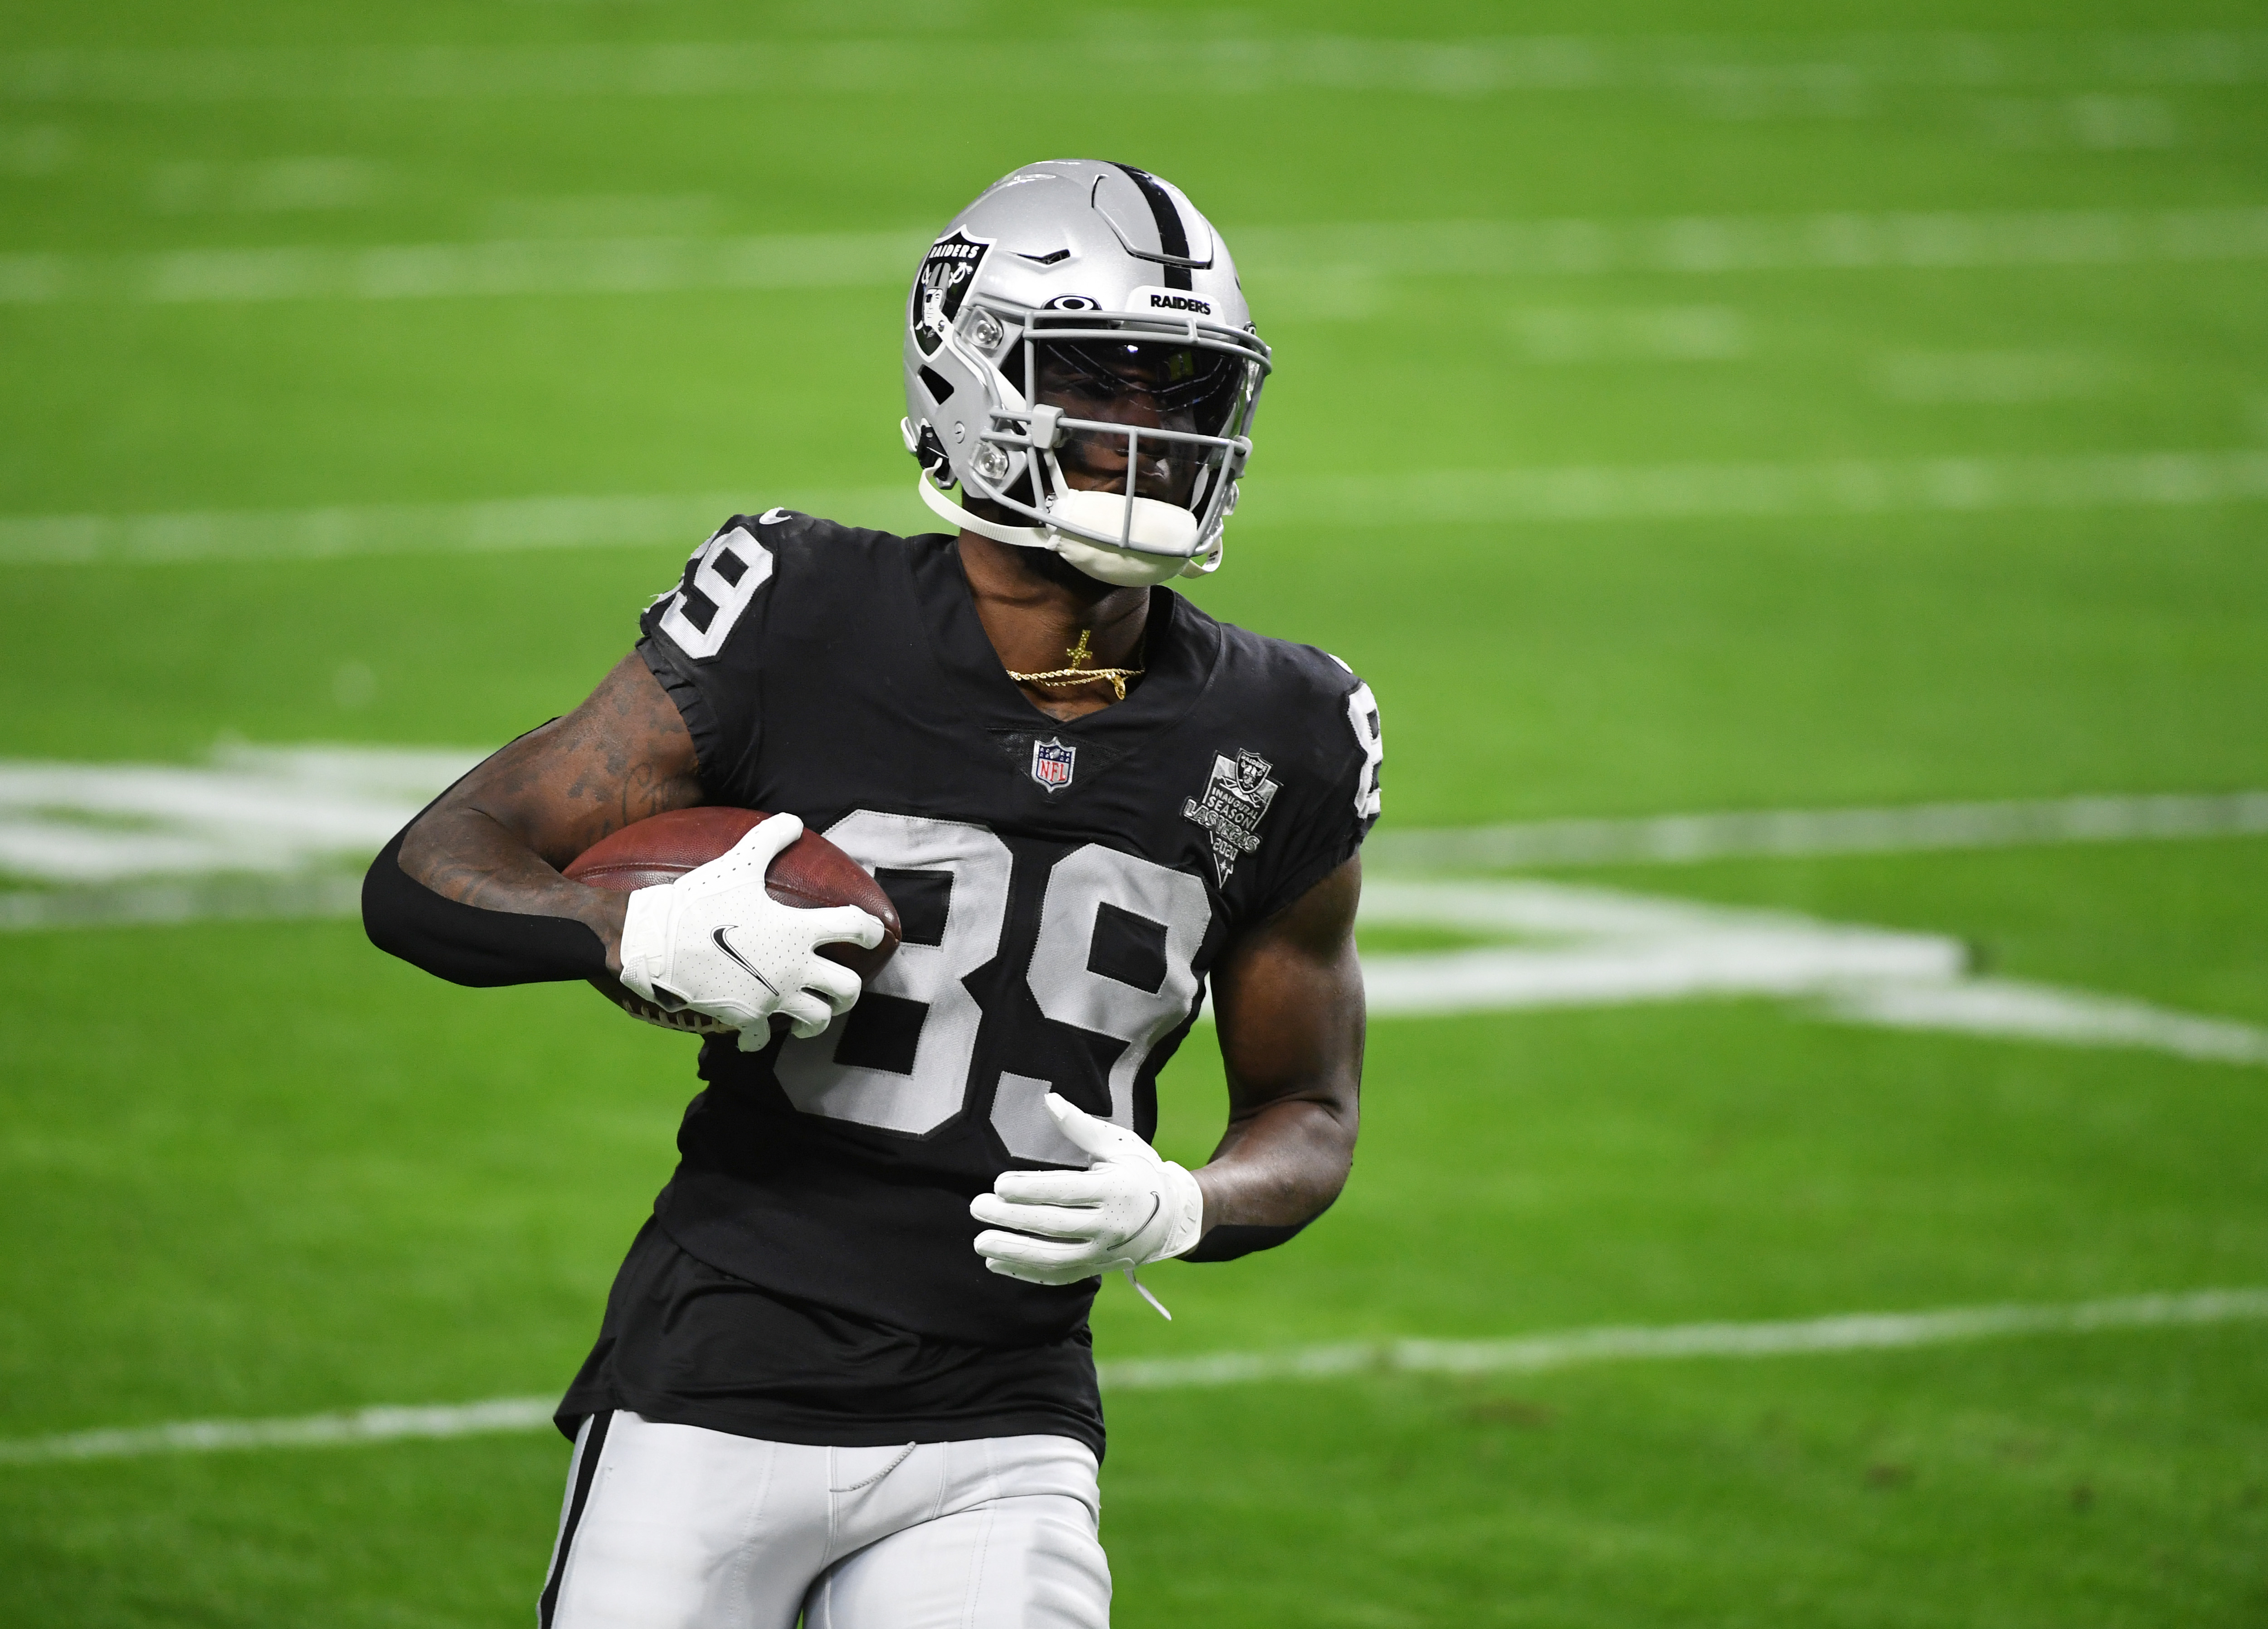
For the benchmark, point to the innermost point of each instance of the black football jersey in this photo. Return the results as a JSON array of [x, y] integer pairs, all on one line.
[[1063, 890]]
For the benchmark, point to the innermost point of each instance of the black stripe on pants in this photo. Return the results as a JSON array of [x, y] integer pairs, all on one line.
[[586, 1471]]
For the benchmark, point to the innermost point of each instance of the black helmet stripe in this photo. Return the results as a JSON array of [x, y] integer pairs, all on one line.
[[1173, 237]]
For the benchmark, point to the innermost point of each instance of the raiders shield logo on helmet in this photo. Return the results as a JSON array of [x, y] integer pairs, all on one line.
[[947, 271]]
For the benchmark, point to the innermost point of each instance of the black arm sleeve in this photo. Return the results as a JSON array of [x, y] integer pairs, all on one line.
[[465, 944], [1232, 1240]]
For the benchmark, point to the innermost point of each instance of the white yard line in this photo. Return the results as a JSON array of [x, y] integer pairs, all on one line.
[[1601, 948], [1661, 492], [1869, 1331], [1731, 74], [2013, 1009], [269, 834], [324, 896], [339, 530], [455, 270], [251, 812], [370, 1425], [1840, 241], [1453, 496], [1682, 839]]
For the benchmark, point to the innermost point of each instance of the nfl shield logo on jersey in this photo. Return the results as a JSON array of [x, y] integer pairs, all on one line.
[[1051, 762]]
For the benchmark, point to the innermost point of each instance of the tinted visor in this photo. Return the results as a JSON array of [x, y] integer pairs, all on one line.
[[1168, 386], [1143, 384]]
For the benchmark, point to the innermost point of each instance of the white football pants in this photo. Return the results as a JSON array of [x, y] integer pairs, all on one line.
[[676, 1527]]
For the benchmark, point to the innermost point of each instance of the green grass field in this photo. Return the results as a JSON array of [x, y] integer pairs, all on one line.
[[253, 1169]]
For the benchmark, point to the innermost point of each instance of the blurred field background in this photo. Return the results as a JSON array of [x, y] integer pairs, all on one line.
[[1749, 407]]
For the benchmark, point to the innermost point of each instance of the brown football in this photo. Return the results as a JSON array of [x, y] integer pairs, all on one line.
[[811, 873]]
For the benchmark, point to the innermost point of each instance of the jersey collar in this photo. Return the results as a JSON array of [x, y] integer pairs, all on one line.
[[1181, 647]]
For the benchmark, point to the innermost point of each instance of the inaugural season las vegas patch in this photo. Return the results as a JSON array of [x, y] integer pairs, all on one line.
[[1236, 799]]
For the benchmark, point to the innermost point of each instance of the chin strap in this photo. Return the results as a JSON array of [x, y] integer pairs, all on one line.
[[1201, 564], [946, 509]]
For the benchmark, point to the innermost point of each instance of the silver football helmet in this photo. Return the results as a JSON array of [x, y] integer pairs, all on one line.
[[1078, 354]]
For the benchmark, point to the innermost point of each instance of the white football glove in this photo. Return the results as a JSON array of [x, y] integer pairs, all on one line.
[[1128, 1209], [715, 941]]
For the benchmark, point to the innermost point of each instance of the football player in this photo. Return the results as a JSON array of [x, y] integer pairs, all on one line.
[[845, 1371]]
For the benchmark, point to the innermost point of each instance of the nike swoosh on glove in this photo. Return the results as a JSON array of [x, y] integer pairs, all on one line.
[[1128, 1209], [715, 941]]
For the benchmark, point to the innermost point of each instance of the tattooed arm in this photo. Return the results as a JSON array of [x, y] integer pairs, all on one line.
[[496, 839]]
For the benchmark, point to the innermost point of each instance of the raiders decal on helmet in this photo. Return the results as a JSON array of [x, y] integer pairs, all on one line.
[[1174, 302], [947, 271]]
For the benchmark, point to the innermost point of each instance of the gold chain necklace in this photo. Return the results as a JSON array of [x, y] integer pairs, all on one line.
[[1077, 673]]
